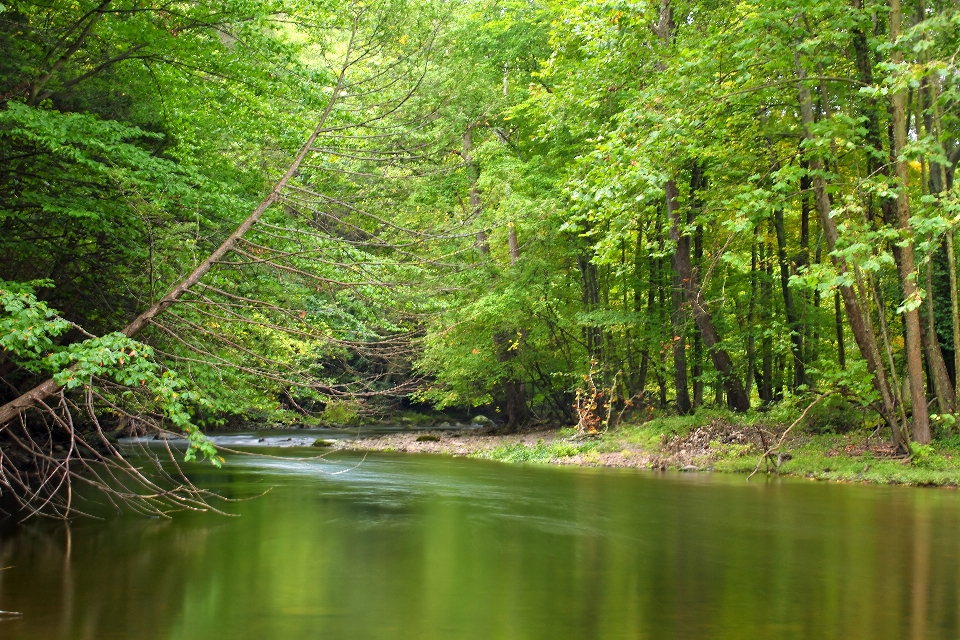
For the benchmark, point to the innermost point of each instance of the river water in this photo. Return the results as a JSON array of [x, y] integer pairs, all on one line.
[[424, 547]]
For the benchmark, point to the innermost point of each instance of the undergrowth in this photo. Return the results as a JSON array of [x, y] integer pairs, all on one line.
[[541, 452], [843, 452]]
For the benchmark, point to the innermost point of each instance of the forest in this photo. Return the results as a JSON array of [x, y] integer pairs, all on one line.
[[551, 212]]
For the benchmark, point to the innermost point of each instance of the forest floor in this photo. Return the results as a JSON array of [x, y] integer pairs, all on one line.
[[710, 442]]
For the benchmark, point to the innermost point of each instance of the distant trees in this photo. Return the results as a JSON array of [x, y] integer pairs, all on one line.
[[712, 179]]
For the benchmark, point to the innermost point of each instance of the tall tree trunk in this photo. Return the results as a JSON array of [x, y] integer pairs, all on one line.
[[955, 317], [865, 339], [789, 307], [736, 396], [696, 371], [766, 344], [931, 347], [677, 317], [803, 259], [911, 293], [679, 350], [752, 373], [838, 323], [641, 382], [592, 335], [631, 365], [945, 389], [661, 306]]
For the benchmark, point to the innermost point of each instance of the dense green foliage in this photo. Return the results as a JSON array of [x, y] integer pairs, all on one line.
[[553, 210], [671, 195]]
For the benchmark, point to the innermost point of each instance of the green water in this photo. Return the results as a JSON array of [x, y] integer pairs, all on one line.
[[426, 547]]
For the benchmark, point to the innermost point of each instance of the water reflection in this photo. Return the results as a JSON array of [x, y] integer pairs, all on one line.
[[429, 547]]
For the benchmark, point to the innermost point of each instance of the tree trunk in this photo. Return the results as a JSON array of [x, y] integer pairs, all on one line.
[[696, 371], [506, 345], [954, 316], [752, 374], [838, 323], [790, 308], [765, 386], [736, 396], [945, 389], [913, 347], [592, 335], [937, 368], [677, 321], [662, 322], [865, 339], [476, 205]]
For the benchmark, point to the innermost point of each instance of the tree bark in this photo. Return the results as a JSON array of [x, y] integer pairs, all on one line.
[[911, 293], [512, 242], [751, 375], [476, 205], [838, 323], [506, 345], [876, 166], [766, 344], [736, 396], [954, 316], [937, 372], [677, 321], [946, 390], [790, 308], [696, 370], [865, 339]]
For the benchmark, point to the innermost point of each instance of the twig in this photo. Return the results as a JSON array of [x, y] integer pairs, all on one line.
[[769, 451]]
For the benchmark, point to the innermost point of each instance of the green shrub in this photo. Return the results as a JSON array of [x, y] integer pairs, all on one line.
[[833, 415], [540, 452], [925, 456]]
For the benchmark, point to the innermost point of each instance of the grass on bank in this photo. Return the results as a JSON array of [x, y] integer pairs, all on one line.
[[836, 442]]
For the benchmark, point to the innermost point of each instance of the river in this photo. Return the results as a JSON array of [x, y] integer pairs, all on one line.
[[428, 547]]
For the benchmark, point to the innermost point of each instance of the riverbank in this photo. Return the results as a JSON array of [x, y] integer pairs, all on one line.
[[708, 443]]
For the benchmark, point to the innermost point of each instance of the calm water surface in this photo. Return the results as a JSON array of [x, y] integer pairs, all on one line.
[[422, 547]]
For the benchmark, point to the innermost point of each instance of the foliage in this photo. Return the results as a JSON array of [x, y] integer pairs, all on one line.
[[540, 452], [686, 203], [834, 415], [342, 412], [29, 325]]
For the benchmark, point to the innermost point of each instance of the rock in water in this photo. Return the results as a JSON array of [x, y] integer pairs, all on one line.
[[428, 437], [324, 442], [481, 419]]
